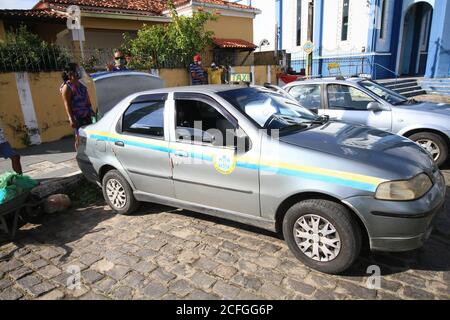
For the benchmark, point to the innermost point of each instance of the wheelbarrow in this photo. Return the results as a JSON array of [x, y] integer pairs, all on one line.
[[12, 209]]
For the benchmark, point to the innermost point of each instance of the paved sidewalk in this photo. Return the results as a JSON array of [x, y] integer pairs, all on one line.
[[47, 161]]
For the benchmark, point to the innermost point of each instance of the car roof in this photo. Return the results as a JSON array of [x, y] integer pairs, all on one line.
[[197, 89], [326, 80], [110, 74]]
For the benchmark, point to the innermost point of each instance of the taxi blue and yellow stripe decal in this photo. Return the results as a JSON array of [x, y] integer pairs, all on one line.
[[352, 180]]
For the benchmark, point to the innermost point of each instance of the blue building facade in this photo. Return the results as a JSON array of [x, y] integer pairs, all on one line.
[[383, 38]]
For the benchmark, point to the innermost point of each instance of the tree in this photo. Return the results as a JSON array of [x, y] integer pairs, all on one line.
[[24, 51], [170, 45]]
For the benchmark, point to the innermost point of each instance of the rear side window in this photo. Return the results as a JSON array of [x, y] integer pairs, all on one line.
[[146, 118], [307, 95]]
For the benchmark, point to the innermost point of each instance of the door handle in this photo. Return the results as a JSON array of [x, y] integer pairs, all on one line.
[[119, 143], [181, 154]]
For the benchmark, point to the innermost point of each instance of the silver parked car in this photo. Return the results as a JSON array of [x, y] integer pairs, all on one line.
[[366, 102], [251, 155]]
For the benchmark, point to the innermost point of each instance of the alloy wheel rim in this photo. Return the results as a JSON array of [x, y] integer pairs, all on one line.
[[317, 238], [116, 193], [431, 147]]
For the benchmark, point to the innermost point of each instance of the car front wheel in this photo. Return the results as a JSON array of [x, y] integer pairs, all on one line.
[[323, 235], [434, 144], [118, 193]]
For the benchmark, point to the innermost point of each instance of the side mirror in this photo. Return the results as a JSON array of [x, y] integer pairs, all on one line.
[[374, 106]]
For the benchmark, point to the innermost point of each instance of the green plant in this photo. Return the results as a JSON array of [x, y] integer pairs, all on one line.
[[24, 51], [172, 44]]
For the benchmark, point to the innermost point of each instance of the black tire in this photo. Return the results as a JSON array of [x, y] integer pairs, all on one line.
[[131, 204], [437, 140], [342, 221]]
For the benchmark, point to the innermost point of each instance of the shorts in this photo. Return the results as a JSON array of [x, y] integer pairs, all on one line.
[[6, 151], [81, 122]]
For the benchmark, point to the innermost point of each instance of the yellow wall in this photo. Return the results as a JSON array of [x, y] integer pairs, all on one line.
[[274, 70], [232, 28], [48, 106], [52, 119], [242, 69], [10, 111], [175, 77], [260, 75]]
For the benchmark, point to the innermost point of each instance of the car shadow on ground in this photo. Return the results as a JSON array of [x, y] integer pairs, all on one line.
[[58, 230]]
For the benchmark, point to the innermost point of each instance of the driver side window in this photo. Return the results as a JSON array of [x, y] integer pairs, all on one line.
[[197, 121], [307, 95], [342, 97]]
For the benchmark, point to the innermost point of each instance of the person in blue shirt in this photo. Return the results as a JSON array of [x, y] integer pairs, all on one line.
[[198, 74]]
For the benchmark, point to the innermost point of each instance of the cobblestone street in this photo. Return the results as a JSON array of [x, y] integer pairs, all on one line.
[[163, 253]]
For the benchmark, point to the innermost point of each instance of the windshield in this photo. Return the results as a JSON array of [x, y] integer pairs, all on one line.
[[268, 109], [383, 92]]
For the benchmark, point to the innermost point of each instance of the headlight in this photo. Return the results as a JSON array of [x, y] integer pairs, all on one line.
[[404, 190]]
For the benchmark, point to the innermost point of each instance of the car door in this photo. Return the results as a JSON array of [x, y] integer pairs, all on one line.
[[206, 168], [142, 145], [347, 103], [308, 95]]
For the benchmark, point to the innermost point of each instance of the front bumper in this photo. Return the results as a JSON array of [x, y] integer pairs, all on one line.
[[399, 226]]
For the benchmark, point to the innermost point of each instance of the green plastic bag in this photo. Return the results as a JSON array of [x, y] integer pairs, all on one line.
[[6, 178], [8, 193], [13, 184], [24, 182]]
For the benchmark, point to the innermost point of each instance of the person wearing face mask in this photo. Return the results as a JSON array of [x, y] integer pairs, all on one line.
[[76, 99], [120, 62], [198, 75]]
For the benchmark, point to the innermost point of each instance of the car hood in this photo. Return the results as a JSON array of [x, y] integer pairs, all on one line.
[[439, 108], [367, 146]]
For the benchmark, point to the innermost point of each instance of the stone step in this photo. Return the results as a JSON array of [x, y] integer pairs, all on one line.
[[414, 93], [402, 85], [408, 89], [436, 86]]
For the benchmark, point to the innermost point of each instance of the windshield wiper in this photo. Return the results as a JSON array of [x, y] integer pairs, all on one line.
[[319, 120], [407, 101]]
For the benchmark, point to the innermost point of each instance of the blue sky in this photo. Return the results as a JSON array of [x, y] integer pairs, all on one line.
[[17, 4]]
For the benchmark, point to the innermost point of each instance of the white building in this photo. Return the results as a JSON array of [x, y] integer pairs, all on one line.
[[380, 37]]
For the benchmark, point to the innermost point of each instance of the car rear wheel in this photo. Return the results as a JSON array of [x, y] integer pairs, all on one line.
[[434, 144], [323, 235], [118, 193]]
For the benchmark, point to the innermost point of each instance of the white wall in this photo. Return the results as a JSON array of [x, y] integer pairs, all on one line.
[[264, 24], [359, 13], [290, 25]]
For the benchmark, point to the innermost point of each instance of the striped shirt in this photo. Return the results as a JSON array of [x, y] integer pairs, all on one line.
[[199, 72]]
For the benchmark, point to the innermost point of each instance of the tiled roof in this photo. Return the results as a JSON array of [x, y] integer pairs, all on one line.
[[153, 6], [216, 2], [55, 9], [234, 44], [46, 14]]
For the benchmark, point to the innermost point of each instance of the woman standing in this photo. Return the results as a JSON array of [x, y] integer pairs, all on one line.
[[76, 99]]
